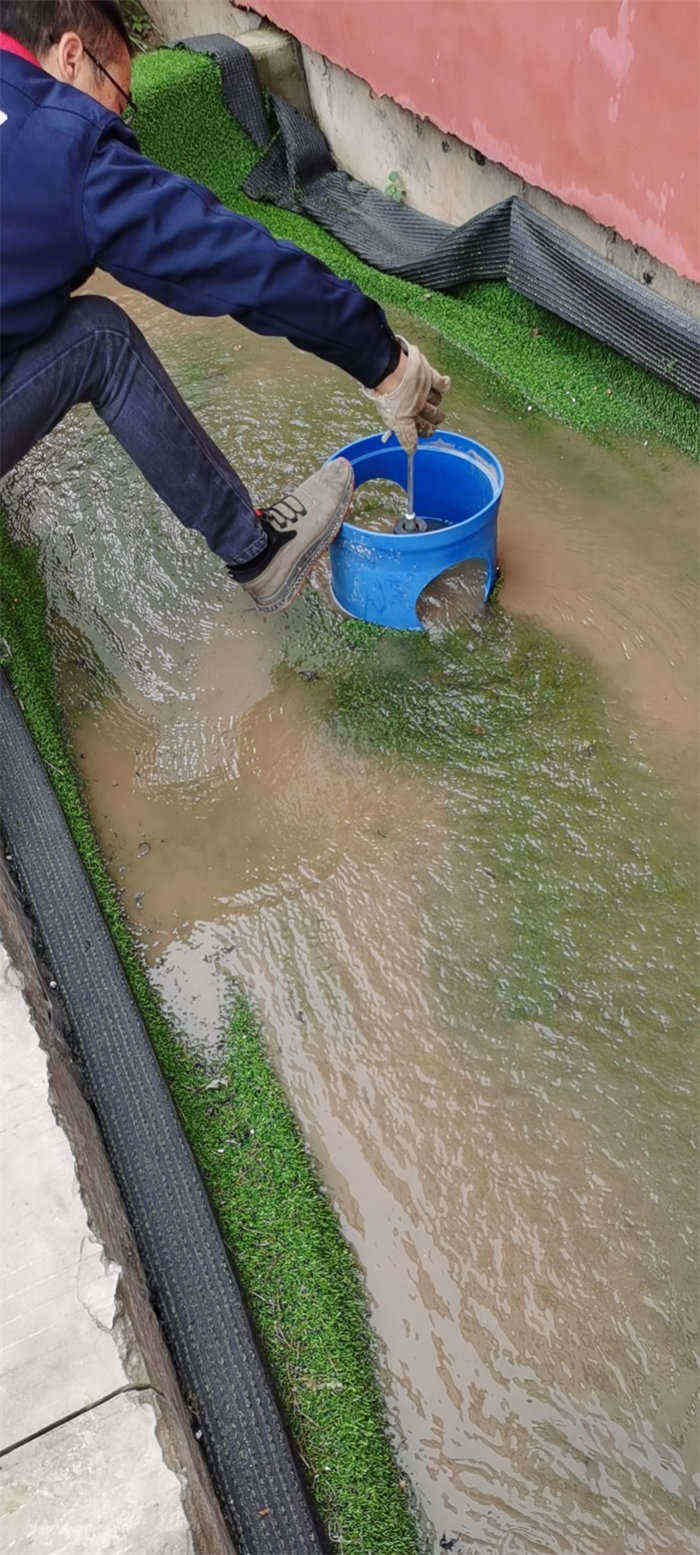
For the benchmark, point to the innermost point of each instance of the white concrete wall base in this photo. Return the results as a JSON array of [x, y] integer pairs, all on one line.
[[277, 54], [372, 137], [279, 65], [189, 18]]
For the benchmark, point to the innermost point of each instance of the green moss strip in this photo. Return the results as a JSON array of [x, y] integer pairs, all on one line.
[[299, 1277], [183, 124]]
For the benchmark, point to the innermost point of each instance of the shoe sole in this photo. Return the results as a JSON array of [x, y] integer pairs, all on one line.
[[296, 580]]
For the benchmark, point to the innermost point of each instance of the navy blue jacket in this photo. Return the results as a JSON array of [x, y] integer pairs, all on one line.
[[76, 192]]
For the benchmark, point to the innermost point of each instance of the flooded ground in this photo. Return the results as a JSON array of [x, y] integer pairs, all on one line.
[[456, 878]]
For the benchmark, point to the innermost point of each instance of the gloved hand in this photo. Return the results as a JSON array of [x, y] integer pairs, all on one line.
[[413, 408]]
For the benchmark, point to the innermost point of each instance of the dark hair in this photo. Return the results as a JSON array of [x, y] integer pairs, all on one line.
[[38, 24]]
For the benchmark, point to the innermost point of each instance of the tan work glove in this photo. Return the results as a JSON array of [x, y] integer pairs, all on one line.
[[413, 408]]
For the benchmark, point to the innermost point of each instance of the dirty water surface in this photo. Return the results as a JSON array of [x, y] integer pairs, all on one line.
[[455, 875]]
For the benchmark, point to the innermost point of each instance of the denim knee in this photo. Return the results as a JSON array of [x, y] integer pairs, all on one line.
[[98, 313], [114, 344]]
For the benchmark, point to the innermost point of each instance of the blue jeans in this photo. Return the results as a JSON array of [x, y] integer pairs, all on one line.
[[96, 354]]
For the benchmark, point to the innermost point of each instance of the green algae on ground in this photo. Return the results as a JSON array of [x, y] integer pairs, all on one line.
[[300, 1280], [589, 862], [183, 124]]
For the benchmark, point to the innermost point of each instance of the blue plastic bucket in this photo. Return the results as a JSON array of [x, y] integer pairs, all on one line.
[[457, 488]]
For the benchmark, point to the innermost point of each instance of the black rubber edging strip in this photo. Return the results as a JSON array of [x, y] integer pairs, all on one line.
[[191, 1280]]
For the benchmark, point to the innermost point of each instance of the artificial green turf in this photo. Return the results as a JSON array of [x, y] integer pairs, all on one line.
[[183, 124], [299, 1277]]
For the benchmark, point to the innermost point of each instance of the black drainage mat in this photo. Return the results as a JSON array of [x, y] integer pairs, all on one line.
[[192, 1284], [508, 242]]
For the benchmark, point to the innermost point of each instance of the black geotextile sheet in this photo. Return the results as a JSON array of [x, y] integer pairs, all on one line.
[[192, 1284], [508, 242]]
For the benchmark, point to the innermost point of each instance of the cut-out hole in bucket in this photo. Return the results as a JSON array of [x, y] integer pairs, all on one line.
[[453, 598]]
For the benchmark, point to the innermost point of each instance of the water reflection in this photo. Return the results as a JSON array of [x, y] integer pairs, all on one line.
[[474, 971]]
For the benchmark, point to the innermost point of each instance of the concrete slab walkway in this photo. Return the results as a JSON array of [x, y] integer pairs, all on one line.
[[97, 1482], [89, 1406]]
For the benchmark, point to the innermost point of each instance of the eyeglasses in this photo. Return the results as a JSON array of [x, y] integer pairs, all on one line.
[[130, 109]]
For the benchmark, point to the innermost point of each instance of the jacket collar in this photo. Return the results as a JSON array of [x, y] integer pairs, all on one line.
[[11, 46]]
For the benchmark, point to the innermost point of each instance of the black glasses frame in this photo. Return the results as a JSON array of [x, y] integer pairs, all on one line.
[[130, 110]]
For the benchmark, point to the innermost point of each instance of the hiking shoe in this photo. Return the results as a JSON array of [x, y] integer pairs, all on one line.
[[299, 528]]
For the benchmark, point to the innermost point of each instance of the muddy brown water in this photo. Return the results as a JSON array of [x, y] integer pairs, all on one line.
[[517, 1186]]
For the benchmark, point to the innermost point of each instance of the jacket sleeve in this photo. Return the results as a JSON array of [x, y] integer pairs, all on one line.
[[172, 238]]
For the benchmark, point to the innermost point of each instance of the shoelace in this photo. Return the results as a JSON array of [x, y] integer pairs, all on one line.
[[285, 512]]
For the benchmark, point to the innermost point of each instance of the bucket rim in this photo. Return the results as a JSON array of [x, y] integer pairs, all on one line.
[[443, 440]]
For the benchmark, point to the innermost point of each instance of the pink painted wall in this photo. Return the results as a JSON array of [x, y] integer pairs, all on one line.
[[594, 100]]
